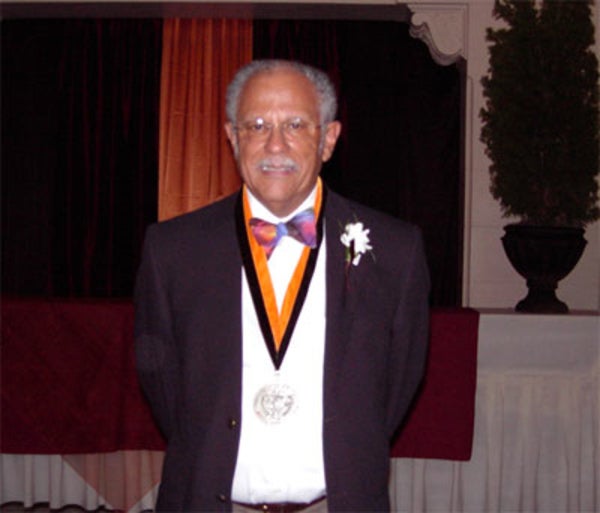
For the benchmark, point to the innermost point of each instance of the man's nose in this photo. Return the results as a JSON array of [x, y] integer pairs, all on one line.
[[276, 140]]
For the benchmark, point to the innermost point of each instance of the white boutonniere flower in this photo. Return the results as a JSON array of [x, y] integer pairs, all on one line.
[[356, 240]]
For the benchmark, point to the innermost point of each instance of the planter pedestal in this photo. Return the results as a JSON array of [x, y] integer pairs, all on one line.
[[543, 255]]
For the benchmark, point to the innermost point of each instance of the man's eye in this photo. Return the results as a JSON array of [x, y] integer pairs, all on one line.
[[295, 125], [256, 127]]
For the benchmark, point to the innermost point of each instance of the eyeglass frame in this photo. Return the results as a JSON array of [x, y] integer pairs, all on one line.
[[259, 129]]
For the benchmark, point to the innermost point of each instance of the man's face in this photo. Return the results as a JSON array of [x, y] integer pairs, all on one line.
[[280, 161]]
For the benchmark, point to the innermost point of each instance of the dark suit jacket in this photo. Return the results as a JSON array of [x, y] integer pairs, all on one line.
[[188, 349]]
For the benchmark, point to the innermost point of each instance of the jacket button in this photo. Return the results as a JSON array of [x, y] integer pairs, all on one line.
[[233, 423], [222, 497]]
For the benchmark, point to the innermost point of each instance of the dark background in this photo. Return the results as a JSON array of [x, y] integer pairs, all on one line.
[[80, 103]]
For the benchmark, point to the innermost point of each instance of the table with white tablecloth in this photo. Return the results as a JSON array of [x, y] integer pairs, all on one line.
[[79, 431], [535, 443], [537, 439]]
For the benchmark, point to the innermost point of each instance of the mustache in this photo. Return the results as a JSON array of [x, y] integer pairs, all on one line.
[[277, 162]]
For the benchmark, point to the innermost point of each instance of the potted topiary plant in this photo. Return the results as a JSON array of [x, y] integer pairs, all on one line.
[[540, 128]]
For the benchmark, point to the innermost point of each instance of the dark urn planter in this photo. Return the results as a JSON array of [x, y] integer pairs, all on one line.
[[543, 255]]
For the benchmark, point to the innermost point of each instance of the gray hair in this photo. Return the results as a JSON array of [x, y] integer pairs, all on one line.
[[320, 80]]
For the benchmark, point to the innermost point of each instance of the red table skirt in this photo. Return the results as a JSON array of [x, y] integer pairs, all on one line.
[[69, 383]]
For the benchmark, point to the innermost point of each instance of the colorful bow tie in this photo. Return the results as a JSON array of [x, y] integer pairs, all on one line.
[[301, 227]]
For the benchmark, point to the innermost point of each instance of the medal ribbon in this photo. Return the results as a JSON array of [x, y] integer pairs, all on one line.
[[277, 327]]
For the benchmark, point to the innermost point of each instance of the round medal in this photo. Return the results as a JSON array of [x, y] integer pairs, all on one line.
[[274, 402]]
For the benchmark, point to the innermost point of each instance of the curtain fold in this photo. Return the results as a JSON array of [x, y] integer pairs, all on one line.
[[80, 153], [199, 59]]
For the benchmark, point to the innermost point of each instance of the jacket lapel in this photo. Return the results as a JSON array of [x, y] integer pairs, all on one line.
[[342, 282], [339, 292]]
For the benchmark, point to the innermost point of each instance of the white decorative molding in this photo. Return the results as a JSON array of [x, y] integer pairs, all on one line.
[[443, 29]]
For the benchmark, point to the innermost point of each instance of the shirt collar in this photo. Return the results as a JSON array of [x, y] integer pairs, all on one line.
[[262, 212]]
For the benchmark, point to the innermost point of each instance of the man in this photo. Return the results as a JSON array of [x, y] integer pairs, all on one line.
[[279, 359]]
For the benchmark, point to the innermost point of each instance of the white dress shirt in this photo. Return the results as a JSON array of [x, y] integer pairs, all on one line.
[[283, 462]]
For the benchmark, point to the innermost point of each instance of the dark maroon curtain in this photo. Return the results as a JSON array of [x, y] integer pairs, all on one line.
[[79, 143], [79, 160], [400, 149]]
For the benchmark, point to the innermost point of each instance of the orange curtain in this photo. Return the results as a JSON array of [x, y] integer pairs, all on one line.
[[199, 59]]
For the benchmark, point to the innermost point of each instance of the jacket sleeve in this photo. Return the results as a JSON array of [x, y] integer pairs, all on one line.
[[155, 351], [410, 335]]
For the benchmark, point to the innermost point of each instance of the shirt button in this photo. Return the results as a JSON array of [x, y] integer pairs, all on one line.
[[233, 423]]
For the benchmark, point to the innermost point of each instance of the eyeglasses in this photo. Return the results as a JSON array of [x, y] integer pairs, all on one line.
[[294, 128]]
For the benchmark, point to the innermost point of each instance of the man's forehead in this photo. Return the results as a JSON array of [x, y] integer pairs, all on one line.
[[285, 84]]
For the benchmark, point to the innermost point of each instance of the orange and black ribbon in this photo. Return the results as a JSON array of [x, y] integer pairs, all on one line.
[[277, 327]]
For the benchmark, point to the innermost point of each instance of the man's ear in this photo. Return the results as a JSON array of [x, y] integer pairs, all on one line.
[[232, 136], [332, 132]]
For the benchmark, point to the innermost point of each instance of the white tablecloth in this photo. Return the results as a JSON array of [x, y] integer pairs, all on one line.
[[123, 480], [536, 445], [537, 437]]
